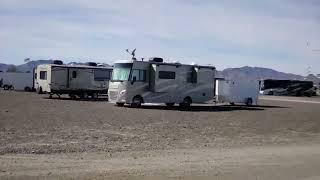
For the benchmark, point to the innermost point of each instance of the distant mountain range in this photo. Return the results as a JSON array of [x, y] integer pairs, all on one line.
[[246, 72]]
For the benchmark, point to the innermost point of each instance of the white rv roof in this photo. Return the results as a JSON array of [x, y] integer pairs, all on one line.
[[162, 63]]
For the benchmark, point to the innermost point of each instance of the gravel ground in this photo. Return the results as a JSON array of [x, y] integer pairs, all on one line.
[[31, 125]]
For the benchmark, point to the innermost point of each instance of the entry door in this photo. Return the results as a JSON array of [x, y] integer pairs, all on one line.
[[80, 79], [74, 74]]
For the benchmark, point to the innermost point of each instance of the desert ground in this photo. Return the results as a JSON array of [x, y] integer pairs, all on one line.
[[43, 138]]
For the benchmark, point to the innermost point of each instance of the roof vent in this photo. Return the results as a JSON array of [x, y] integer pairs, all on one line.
[[92, 64], [156, 59], [58, 62]]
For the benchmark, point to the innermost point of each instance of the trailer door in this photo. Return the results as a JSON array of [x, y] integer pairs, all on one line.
[[59, 78]]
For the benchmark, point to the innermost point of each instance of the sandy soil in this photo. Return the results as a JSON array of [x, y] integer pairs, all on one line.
[[41, 137]]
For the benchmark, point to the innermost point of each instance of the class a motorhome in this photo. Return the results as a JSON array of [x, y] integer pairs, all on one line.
[[135, 82], [76, 80]]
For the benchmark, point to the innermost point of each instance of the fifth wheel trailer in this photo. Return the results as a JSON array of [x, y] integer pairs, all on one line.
[[77, 81], [16, 81], [135, 82]]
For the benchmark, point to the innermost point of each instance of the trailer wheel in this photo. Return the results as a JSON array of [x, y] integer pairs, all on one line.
[[249, 102], [27, 89], [136, 102], [186, 102], [170, 104], [11, 87], [72, 96], [94, 96], [5, 87]]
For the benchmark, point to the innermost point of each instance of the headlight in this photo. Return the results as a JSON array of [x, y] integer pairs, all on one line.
[[123, 92]]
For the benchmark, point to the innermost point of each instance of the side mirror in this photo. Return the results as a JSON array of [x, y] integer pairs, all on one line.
[[134, 79]]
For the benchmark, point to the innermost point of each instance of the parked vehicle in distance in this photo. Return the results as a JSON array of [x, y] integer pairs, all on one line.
[[136, 82], [81, 81], [287, 88], [16, 81], [237, 91]]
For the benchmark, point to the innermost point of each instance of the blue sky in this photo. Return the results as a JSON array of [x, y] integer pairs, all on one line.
[[272, 34]]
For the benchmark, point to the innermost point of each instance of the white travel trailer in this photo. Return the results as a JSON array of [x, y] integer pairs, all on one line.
[[242, 91], [16, 81], [135, 82], [77, 81]]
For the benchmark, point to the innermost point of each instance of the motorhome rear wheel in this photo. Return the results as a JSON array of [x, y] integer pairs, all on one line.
[[186, 102]]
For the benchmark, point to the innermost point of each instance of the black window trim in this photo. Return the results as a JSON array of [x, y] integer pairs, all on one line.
[[172, 75]]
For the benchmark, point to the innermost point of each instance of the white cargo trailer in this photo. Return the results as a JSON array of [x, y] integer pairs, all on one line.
[[16, 81], [135, 82], [77, 81], [237, 91]]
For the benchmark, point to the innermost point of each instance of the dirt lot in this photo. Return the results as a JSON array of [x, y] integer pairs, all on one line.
[[61, 138]]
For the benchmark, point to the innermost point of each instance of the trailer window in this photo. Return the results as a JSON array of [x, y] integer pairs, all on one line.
[[102, 75], [167, 75], [139, 74], [74, 74], [43, 75]]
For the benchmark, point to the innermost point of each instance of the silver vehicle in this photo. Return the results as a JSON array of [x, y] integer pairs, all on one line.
[[136, 82], [16, 81], [77, 81], [243, 91]]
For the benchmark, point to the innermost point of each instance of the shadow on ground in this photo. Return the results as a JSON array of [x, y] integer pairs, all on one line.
[[78, 99], [216, 108]]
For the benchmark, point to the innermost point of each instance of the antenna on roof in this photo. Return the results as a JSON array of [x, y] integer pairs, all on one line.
[[133, 53]]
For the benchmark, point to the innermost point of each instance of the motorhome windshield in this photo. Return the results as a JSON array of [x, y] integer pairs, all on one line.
[[121, 72]]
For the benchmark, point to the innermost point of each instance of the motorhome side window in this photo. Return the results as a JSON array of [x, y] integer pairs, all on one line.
[[139, 74], [167, 75], [43, 75], [102, 75], [74, 74]]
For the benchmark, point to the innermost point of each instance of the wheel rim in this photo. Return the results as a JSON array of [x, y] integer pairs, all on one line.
[[136, 102]]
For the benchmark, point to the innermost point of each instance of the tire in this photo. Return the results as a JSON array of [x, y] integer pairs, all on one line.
[[94, 95], [73, 96], [170, 104], [5, 87], [136, 102], [120, 104], [186, 102], [249, 102], [11, 87], [39, 90], [27, 89]]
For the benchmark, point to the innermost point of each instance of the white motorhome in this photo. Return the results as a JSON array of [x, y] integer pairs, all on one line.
[[242, 91], [135, 82], [77, 81], [16, 81]]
